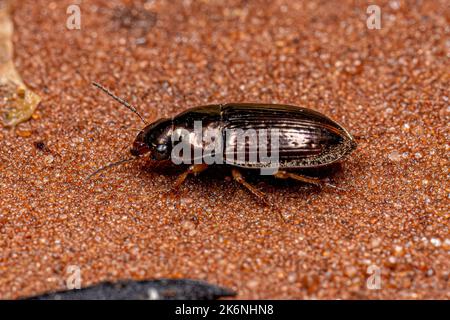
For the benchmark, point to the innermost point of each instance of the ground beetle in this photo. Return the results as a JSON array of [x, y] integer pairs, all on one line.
[[306, 138]]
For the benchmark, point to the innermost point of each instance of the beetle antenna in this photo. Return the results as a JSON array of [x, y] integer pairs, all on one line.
[[120, 100], [110, 165]]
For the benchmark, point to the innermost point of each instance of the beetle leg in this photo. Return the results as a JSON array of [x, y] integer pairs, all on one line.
[[310, 180], [194, 169], [290, 175], [237, 175]]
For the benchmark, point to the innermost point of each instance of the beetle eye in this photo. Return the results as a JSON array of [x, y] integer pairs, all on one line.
[[161, 148]]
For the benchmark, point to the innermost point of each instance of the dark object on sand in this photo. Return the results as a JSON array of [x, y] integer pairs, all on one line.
[[164, 289]]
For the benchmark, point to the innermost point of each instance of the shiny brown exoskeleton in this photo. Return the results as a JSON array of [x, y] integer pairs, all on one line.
[[306, 139]]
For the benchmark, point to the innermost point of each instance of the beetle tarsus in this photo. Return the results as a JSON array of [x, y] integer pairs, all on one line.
[[330, 185], [310, 180], [298, 177], [237, 175]]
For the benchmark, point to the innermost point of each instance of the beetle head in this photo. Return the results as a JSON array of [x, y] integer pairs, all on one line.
[[154, 139]]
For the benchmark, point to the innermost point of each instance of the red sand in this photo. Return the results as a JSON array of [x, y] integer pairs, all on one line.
[[390, 85]]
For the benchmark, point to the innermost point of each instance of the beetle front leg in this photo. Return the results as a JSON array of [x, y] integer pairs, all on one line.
[[193, 169], [290, 175], [237, 175]]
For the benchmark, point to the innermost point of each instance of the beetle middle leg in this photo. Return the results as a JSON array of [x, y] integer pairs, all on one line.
[[237, 175], [295, 176], [193, 169]]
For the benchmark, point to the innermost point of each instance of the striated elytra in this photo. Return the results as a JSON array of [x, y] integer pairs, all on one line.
[[307, 138]]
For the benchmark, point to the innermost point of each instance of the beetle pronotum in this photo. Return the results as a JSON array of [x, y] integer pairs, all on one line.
[[306, 139]]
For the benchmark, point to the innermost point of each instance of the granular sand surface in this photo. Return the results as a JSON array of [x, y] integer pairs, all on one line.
[[387, 86]]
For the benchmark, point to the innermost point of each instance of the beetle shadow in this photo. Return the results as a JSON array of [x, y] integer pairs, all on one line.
[[323, 172], [168, 169], [329, 174], [218, 174], [165, 168]]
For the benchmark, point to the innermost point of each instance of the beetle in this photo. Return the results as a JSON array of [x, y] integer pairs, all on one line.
[[305, 139]]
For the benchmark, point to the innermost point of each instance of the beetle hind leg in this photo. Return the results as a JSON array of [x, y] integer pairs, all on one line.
[[314, 181], [298, 177], [237, 175]]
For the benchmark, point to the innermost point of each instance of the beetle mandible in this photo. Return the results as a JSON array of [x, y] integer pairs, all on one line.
[[306, 139]]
